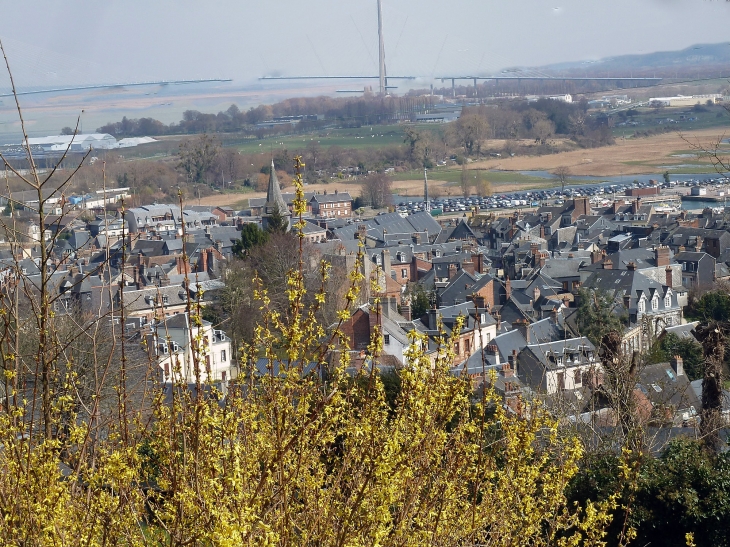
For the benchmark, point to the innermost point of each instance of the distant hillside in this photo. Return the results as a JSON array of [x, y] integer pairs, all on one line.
[[711, 60]]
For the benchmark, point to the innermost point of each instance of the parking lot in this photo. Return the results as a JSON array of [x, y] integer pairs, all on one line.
[[557, 196]]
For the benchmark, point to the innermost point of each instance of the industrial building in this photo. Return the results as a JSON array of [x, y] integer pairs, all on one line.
[[83, 142], [684, 100], [79, 143]]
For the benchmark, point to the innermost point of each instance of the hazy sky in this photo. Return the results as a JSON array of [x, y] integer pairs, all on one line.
[[79, 41]]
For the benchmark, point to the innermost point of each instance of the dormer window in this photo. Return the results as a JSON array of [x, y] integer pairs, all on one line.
[[642, 306], [668, 301], [655, 303]]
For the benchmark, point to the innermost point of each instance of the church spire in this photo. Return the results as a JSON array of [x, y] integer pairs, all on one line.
[[274, 200]]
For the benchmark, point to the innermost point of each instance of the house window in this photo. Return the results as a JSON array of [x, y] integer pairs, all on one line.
[[165, 300], [223, 356], [577, 377], [668, 302], [386, 339], [467, 346], [456, 348], [404, 273], [642, 306], [654, 303]]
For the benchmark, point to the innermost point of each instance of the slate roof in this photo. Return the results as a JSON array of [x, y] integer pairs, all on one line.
[[690, 256], [662, 386], [641, 256], [333, 197], [558, 268], [683, 331], [620, 282], [462, 286], [581, 349], [393, 223]]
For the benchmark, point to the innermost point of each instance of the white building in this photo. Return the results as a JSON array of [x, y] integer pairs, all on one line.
[[79, 143], [101, 198], [134, 141], [171, 343], [683, 100], [34, 233]]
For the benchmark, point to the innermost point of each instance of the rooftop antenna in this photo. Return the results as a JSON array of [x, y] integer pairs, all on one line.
[[381, 51]]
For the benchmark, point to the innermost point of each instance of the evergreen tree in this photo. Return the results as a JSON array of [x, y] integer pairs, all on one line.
[[687, 348], [251, 236], [712, 306], [278, 223], [420, 302], [598, 315]]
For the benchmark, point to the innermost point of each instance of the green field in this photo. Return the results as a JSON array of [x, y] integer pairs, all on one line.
[[714, 116], [375, 136]]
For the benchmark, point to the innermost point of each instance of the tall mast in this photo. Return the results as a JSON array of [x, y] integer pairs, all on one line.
[[381, 56], [425, 191]]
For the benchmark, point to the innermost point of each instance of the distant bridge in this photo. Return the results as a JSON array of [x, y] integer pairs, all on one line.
[[335, 77], [547, 79], [108, 86]]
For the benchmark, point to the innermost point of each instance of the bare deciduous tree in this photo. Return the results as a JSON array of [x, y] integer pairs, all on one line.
[[376, 190], [562, 173]]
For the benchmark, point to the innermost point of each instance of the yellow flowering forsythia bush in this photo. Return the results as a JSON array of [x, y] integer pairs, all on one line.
[[302, 453]]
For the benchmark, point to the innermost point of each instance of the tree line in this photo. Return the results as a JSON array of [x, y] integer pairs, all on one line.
[[347, 111]]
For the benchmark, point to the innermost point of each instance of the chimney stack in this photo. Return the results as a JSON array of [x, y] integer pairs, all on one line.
[[661, 255], [512, 360], [631, 266], [669, 282], [468, 265], [507, 289], [507, 370], [204, 261], [678, 365], [608, 264], [432, 319], [386, 262], [492, 349], [523, 326], [452, 271], [405, 311]]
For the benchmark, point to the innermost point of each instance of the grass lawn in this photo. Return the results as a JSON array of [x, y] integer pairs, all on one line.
[[375, 136], [715, 116]]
